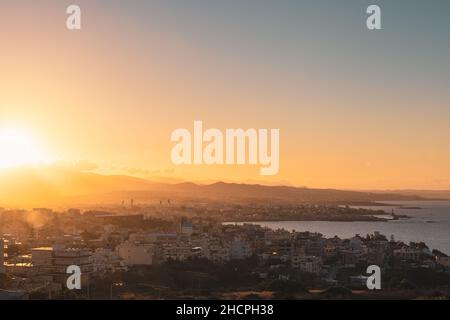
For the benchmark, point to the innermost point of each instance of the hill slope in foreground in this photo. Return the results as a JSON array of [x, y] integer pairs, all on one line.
[[30, 187]]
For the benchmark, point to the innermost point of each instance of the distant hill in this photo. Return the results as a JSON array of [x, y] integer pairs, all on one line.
[[45, 186], [238, 192], [51, 186], [431, 194]]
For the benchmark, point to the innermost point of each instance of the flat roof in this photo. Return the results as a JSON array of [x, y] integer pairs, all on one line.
[[43, 249]]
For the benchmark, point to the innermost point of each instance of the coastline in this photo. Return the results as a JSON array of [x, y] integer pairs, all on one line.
[[429, 224]]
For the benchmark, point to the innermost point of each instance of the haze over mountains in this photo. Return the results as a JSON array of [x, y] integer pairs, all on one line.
[[59, 186]]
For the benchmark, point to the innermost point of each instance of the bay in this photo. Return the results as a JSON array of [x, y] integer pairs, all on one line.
[[429, 224]]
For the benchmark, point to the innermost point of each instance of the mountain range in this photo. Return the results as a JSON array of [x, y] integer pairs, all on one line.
[[55, 186]]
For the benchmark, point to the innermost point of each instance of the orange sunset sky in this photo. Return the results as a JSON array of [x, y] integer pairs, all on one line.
[[356, 109]]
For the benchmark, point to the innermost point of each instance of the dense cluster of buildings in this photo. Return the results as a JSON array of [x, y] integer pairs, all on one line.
[[42, 259]]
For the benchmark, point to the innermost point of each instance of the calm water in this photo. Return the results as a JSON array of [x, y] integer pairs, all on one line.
[[431, 224]]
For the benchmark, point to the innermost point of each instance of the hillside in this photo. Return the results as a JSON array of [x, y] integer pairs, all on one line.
[[48, 186]]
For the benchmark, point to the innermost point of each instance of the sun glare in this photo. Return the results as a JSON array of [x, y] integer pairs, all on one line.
[[18, 148]]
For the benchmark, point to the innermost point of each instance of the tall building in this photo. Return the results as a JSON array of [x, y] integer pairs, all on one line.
[[186, 227], [54, 261], [2, 256]]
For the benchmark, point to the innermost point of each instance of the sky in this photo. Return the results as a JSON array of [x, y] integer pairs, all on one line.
[[356, 109]]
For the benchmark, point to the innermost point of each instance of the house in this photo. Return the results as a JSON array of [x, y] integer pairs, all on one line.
[[310, 264], [406, 253], [240, 248], [443, 261]]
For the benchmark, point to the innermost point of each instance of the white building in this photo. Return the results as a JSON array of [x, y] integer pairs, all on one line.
[[240, 249], [407, 254], [136, 253], [311, 264], [52, 262], [216, 249], [218, 252], [178, 251], [106, 260]]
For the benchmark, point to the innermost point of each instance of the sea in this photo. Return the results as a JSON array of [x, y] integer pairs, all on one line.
[[429, 222]]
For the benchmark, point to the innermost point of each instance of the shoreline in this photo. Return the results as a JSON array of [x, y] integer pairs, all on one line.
[[368, 219]]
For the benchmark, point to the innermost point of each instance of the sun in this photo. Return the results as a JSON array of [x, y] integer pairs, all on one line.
[[18, 148]]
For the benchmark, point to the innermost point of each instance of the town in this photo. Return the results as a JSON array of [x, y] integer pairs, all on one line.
[[168, 251]]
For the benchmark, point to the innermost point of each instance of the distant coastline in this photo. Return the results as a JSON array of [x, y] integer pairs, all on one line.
[[429, 224]]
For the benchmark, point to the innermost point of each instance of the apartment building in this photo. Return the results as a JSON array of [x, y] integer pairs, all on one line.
[[310, 264], [52, 262], [136, 253]]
